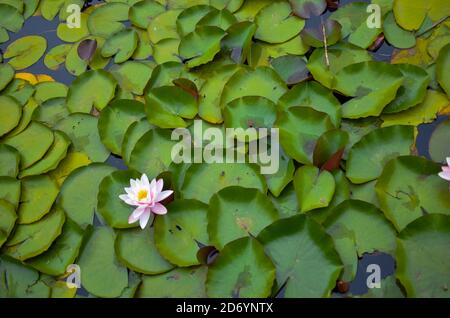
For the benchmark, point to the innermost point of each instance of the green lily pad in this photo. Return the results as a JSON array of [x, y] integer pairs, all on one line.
[[222, 19], [163, 26], [12, 20], [438, 147], [218, 176], [48, 90], [9, 161], [237, 212], [242, 270], [442, 64], [72, 161], [250, 112], [144, 48], [179, 232], [101, 273], [300, 127], [37, 197], [50, 8], [263, 81], [329, 149], [57, 56], [68, 34], [25, 51], [276, 23], [115, 119], [6, 75], [10, 112], [413, 90], [314, 95], [32, 143], [376, 85], [166, 51], [30, 240], [178, 283], [51, 111], [238, 40], [168, 105], [395, 35], [20, 89], [113, 210], [314, 188], [209, 107], [8, 220], [410, 14], [18, 280], [132, 76], [367, 157], [61, 253], [121, 45], [78, 196], [10, 190], [357, 227], [325, 34], [201, 45], [136, 249], [142, 12], [189, 17], [339, 56], [152, 153], [56, 153], [287, 241], [91, 89], [308, 8], [292, 69], [134, 132], [230, 5], [409, 187], [422, 244], [106, 20], [82, 130]]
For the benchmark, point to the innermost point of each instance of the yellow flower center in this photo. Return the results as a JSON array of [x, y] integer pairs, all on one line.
[[142, 194]]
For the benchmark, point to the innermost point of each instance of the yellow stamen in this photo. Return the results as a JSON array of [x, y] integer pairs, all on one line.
[[142, 194]]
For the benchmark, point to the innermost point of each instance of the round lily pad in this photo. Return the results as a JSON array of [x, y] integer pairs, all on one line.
[[10, 112], [121, 45], [51, 111], [132, 76], [134, 132], [6, 75], [438, 147], [242, 270], [7, 220], [237, 212], [25, 51], [9, 161], [142, 12], [106, 20], [10, 190], [30, 240], [136, 249], [181, 232]]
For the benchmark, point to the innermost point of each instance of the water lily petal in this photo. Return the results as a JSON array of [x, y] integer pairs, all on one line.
[[127, 199], [162, 195], [136, 215], [448, 161], [159, 185], [445, 175], [144, 181], [159, 209], [143, 220], [153, 189]]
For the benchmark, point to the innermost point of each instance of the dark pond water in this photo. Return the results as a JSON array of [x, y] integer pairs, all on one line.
[[40, 26]]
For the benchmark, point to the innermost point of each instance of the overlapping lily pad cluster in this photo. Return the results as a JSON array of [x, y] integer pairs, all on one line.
[[349, 181]]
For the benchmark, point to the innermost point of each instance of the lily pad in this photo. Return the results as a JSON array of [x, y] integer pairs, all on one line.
[[115, 119], [409, 187], [163, 26], [57, 56], [178, 234], [287, 241], [51, 111], [300, 127], [78, 196], [48, 90], [10, 190], [188, 19], [61, 253], [242, 270], [9, 161], [30, 240], [32, 143], [10, 112], [142, 12], [367, 158], [443, 63], [201, 45], [237, 212], [8, 220], [121, 45], [134, 132], [308, 8], [219, 176], [395, 35], [113, 210], [37, 197], [438, 147], [276, 23], [71, 34], [152, 153], [91, 89], [420, 244], [186, 282], [136, 249], [322, 35], [106, 20], [25, 51], [358, 227], [101, 273], [168, 105], [6, 75], [82, 130], [238, 40], [314, 188], [132, 76], [12, 20]]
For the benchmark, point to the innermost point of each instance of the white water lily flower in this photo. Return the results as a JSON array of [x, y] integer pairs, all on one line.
[[145, 196]]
